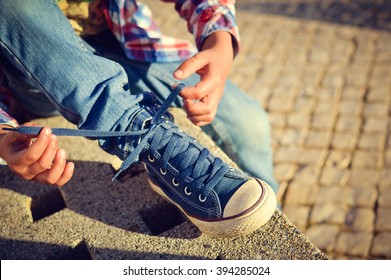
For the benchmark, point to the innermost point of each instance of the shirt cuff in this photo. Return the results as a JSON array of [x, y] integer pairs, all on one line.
[[218, 18]]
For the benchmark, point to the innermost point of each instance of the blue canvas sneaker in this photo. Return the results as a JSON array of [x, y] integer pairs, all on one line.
[[220, 200]]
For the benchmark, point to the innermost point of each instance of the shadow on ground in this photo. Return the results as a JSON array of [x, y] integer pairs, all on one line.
[[130, 205]]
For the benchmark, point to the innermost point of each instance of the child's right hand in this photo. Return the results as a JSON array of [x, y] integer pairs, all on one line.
[[36, 158]]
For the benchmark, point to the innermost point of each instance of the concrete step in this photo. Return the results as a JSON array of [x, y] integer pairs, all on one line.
[[94, 218]]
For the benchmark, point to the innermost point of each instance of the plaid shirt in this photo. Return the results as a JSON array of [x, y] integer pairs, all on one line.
[[5, 118], [132, 24]]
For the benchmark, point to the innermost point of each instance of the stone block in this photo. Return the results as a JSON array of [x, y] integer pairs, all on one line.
[[325, 107], [301, 194], [382, 245], [344, 141], [277, 119], [299, 120], [387, 160], [312, 156], [366, 159], [360, 220], [284, 171], [307, 174], [323, 236], [298, 215], [363, 177], [356, 79], [354, 244], [385, 198], [362, 197], [322, 122], [276, 135], [291, 137], [282, 105], [287, 154], [260, 92], [334, 176], [325, 95], [332, 194], [383, 219], [376, 110], [385, 179], [381, 94], [375, 125], [373, 142], [318, 139], [332, 81], [304, 105], [351, 107], [348, 124], [330, 213]]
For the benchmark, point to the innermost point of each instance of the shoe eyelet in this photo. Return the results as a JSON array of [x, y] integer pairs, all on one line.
[[163, 171], [174, 182], [202, 198], [187, 192], [151, 159]]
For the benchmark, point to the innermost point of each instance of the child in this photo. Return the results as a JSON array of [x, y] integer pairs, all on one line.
[[99, 89]]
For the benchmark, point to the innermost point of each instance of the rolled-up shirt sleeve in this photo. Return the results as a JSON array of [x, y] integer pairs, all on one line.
[[207, 16], [5, 117]]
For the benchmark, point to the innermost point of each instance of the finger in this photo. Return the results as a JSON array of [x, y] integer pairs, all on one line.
[[58, 167], [205, 106], [37, 148], [18, 141], [66, 175], [202, 118], [196, 92], [201, 121], [46, 160], [206, 86], [190, 66], [52, 175], [197, 108]]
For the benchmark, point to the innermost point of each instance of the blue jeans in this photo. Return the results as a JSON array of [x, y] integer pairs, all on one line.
[[97, 88]]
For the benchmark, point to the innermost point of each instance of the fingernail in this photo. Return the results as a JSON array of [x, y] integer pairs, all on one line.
[[178, 74], [62, 154], [47, 131]]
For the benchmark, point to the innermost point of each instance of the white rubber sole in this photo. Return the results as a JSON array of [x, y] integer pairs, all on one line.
[[238, 226]]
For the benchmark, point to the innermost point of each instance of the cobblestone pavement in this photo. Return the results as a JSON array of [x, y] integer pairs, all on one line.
[[363, 13], [327, 88]]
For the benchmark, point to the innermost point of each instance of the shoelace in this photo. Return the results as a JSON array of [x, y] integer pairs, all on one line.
[[204, 174]]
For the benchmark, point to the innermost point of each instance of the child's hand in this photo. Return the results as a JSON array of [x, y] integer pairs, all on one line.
[[39, 159], [213, 64]]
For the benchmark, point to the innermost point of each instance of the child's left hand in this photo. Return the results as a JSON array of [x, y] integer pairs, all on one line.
[[213, 64]]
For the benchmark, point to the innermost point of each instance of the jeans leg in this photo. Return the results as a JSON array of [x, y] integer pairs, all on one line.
[[32, 102], [244, 128], [86, 89]]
